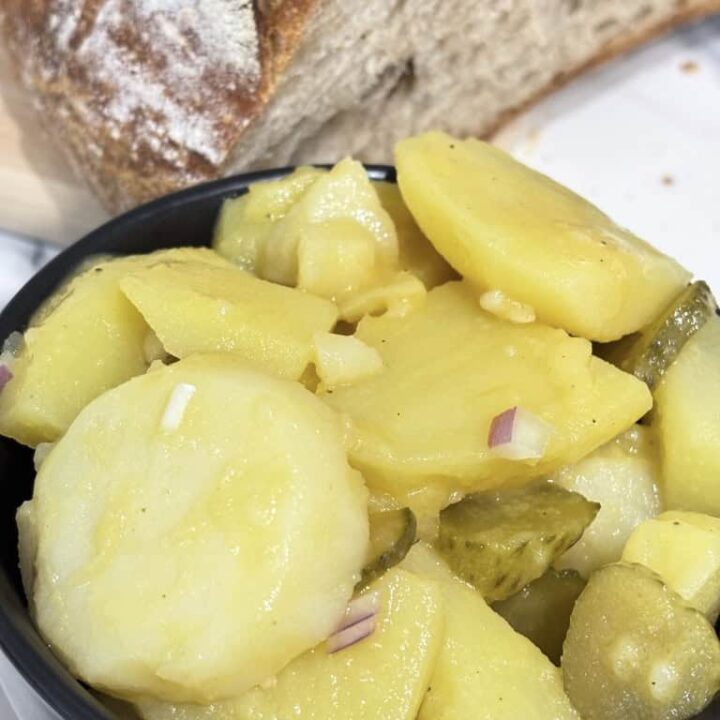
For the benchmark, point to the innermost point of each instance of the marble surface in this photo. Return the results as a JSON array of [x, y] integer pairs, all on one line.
[[640, 137], [19, 259]]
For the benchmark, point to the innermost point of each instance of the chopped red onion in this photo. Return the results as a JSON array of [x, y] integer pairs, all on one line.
[[501, 428], [518, 434], [358, 623], [359, 609], [5, 376], [351, 635]]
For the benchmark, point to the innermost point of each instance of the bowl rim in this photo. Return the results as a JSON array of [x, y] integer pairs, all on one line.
[[51, 682]]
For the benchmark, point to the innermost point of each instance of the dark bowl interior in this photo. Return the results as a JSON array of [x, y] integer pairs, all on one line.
[[184, 218]]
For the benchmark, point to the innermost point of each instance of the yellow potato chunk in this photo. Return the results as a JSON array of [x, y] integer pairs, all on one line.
[[485, 671], [688, 421], [683, 548], [450, 369], [343, 359], [416, 253], [384, 676], [335, 234], [343, 194], [397, 295], [336, 259], [507, 227], [196, 308], [198, 528], [246, 222], [86, 339], [622, 477]]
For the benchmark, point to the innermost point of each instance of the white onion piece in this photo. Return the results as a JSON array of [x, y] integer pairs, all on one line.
[[517, 434], [175, 411], [360, 608], [5, 376], [351, 635], [13, 344]]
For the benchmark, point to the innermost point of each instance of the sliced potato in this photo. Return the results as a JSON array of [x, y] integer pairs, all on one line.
[[622, 477], [343, 359], [450, 368], [335, 234], [396, 295], [541, 610], [688, 424], [85, 339], [485, 671], [501, 540], [507, 227], [635, 649], [336, 259], [683, 548], [245, 223], [197, 308], [198, 528], [343, 194], [416, 253], [385, 676], [650, 353]]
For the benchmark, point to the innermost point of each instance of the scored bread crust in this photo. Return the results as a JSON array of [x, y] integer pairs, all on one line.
[[149, 96], [141, 98]]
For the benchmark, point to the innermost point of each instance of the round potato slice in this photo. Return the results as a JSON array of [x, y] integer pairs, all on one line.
[[198, 528]]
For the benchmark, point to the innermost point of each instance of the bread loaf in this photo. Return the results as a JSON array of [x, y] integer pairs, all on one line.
[[147, 96]]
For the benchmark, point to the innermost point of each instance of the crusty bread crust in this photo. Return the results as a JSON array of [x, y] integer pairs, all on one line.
[[617, 47], [183, 128], [166, 119]]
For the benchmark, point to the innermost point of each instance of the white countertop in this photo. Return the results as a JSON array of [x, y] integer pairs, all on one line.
[[641, 138]]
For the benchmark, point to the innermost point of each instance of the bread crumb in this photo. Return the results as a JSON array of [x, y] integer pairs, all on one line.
[[667, 180], [689, 67]]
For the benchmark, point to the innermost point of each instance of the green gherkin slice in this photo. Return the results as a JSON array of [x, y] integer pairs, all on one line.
[[392, 534], [501, 540], [541, 610], [635, 649], [648, 354]]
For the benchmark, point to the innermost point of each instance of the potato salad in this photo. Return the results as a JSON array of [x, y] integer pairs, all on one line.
[[440, 449]]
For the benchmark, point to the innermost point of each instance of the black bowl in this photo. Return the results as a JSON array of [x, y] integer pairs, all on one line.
[[184, 218]]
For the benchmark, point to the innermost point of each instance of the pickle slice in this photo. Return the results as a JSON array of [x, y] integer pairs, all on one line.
[[501, 540], [648, 354], [635, 649], [392, 534], [541, 610]]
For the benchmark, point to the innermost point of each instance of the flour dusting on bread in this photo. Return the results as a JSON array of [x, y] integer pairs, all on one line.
[[152, 88]]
